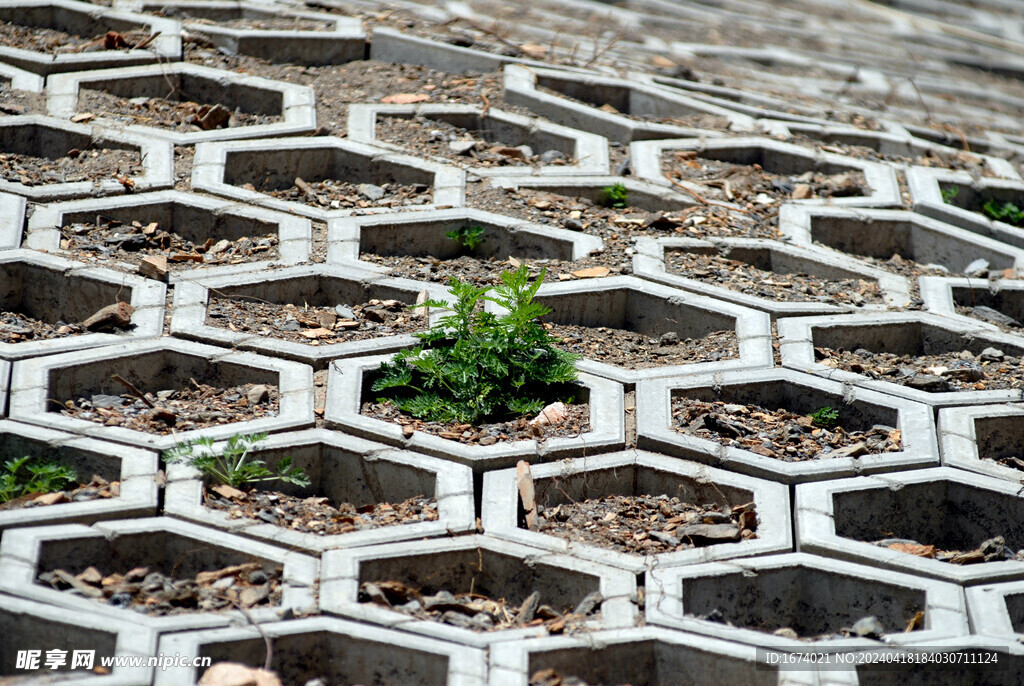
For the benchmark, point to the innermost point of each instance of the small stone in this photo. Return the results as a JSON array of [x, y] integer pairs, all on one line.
[[549, 156], [868, 627], [370, 191], [786, 632], [572, 224], [236, 674], [344, 312], [978, 267], [258, 394], [118, 316], [928, 383], [991, 355], [462, 147], [669, 338], [106, 401], [994, 316], [803, 191], [487, 440]]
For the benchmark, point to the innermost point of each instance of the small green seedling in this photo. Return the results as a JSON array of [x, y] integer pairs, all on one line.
[[614, 196], [27, 475], [1005, 212], [468, 237], [825, 417], [233, 465], [949, 193]]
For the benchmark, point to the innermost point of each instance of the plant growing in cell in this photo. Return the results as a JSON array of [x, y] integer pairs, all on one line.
[[233, 465], [825, 417], [468, 237], [27, 475], [615, 196]]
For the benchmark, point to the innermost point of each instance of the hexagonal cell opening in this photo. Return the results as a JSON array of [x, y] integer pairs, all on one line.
[[181, 392], [180, 100], [39, 302], [785, 420], [943, 520], [1001, 439], [25, 630], [989, 201], [329, 177], [335, 658], [921, 355], [424, 585], [635, 329], [40, 154], [160, 565], [672, 512], [476, 140], [248, 17], [650, 663], [54, 29], [185, 235], [812, 602], [770, 273], [1003, 307], [639, 195], [316, 309]]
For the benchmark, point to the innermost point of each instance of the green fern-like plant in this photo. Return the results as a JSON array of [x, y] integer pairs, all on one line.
[[825, 417], [233, 466], [474, 365], [1004, 212], [616, 195], [26, 475], [468, 237]]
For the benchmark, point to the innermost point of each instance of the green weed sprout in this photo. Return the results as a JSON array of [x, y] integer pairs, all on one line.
[[614, 196], [1005, 212], [27, 475], [825, 417], [233, 466], [468, 237]]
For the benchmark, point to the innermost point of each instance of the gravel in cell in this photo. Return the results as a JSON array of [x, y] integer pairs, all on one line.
[[75, 166], [963, 370], [637, 351]]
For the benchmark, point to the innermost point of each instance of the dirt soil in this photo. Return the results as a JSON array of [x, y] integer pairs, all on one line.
[[97, 488], [787, 286], [991, 550], [20, 102], [172, 113], [697, 120], [314, 325], [53, 42], [480, 612], [647, 524], [637, 351], [181, 409], [317, 515], [335, 194], [778, 433], [158, 594], [427, 137], [992, 316], [16, 327], [76, 165], [576, 422], [268, 23], [953, 371]]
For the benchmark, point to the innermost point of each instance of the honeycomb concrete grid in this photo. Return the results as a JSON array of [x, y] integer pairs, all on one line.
[[774, 157], [53, 289], [642, 194], [473, 562], [649, 263], [981, 439], [53, 138], [943, 295], [167, 544], [344, 469], [30, 625], [196, 217], [637, 473], [352, 652], [911, 333], [21, 80], [588, 152], [800, 393], [222, 167], [949, 507], [316, 285], [812, 595], [152, 364], [251, 94], [133, 468], [87, 20], [348, 387]]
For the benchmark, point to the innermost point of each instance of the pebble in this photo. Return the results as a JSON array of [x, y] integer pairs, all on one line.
[[258, 394], [549, 156], [868, 627], [370, 191]]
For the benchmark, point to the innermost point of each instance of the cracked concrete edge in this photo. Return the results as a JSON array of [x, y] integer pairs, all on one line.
[[654, 432], [945, 609], [156, 159], [880, 177], [589, 150], [20, 550], [29, 396], [294, 234], [344, 235], [210, 161], [958, 439], [774, 532], [298, 107], [344, 399], [147, 297], [138, 477], [340, 581], [191, 302], [466, 666], [816, 532], [649, 263], [454, 495], [796, 346], [130, 639]]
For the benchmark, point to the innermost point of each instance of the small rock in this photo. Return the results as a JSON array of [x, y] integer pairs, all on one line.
[[978, 267], [344, 312], [803, 191], [106, 401], [928, 382], [549, 156], [370, 191], [118, 316], [487, 440], [868, 627], [786, 632], [258, 394], [669, 338], [552, 414], [591, 602], [572, 224], [236, 674], [991, 355], [994, 316], [462, 147]]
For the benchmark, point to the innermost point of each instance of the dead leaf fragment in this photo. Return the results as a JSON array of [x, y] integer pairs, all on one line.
[[404, 98], [914, 549], [592, 273]]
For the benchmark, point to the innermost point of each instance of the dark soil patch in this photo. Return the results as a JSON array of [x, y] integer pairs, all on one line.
[[168, 113], [317, 515], [953, 371], [647, 524], [110, 242], [334, 194], [793, 287], [480, 612], [637, 351], [76, 165], [778, 433], [576, 422], [427, 137], [314, 325], [182, 409], [98, 488], [159, 594], [53, 42], [991, 550]]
